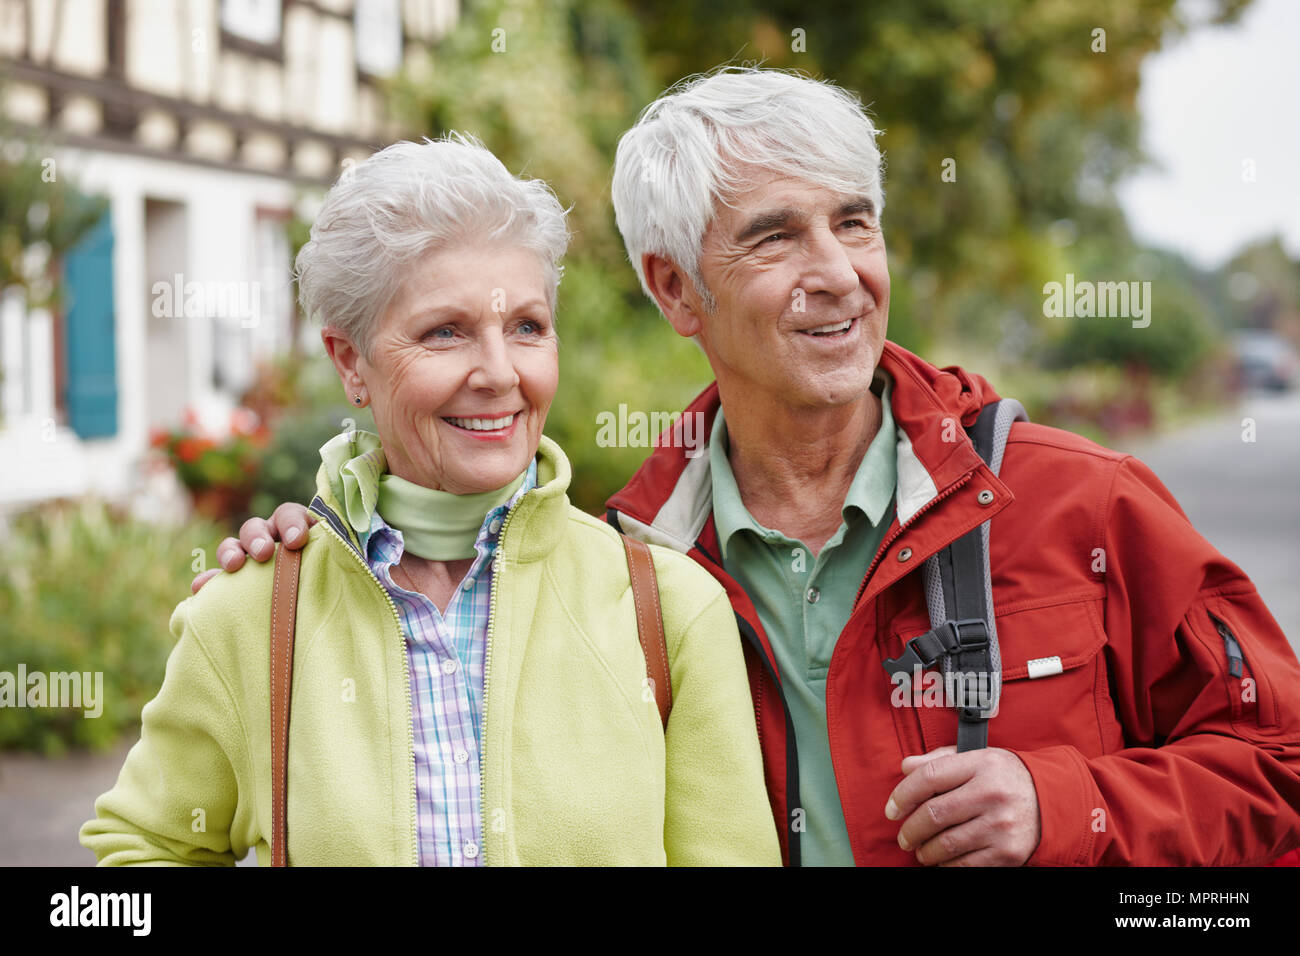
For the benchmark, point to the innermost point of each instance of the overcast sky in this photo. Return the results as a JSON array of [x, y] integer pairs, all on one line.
[[1209, 102]]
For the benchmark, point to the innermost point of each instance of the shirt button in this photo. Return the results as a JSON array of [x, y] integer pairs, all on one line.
[[468, 584], [813, 595], [495, 526], [449, 666], [471, 850], [461, 756], [905, 554]]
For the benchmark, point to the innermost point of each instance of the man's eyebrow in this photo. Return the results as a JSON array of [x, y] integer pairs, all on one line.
[[766, 222], [858, 207], [781, 218]]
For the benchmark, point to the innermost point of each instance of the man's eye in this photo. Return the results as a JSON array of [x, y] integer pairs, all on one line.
[[775, 235], [859, 223]]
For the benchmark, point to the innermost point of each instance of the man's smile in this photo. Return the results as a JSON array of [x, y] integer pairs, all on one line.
[[834, 330]]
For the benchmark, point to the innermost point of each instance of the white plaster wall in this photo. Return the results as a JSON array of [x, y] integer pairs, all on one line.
[[221, 219]]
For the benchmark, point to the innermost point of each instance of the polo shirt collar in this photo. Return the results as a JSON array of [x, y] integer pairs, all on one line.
[[869, 495]]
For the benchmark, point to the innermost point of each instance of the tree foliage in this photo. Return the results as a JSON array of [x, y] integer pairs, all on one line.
[[1030, 106], [550, 94], [42, 216]]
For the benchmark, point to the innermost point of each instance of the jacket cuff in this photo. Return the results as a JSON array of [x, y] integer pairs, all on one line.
[[1068, 805]]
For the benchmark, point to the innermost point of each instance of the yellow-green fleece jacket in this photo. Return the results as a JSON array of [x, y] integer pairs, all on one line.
[[577, 767]]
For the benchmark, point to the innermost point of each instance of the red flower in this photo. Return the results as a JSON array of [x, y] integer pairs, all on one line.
[[189, 450], [243, 421]]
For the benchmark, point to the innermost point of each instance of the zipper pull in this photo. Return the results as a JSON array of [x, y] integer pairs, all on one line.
[[1235, 658]]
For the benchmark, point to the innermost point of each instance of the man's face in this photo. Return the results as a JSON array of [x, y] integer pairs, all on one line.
[[801, 286]]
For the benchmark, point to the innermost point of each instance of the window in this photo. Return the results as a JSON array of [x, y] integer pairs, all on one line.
[[252, 26], [378, 26]]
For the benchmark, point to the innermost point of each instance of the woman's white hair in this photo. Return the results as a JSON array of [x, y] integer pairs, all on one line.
[[410, 199], [682, 155]]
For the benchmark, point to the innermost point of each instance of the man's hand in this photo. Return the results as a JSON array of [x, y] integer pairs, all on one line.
[[289, 523], [977, 808]]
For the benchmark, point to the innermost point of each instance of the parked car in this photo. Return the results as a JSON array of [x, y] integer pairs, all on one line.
[[1265, 360]]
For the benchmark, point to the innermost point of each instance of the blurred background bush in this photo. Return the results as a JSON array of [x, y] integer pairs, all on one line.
[[87, 588]]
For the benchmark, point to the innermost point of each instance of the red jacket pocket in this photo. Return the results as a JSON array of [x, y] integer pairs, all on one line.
[[1054, 687]]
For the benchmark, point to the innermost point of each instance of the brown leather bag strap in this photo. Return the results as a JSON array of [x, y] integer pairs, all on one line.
[[650, 623], [284, 611]]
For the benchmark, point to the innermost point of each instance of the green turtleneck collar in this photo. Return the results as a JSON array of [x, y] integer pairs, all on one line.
[[436, 525]]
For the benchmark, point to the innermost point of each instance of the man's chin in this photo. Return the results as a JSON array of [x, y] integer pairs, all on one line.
[[844, 386], [824, 397]]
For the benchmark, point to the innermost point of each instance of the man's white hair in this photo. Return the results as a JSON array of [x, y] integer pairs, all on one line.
[[682, 155], [410, 199]]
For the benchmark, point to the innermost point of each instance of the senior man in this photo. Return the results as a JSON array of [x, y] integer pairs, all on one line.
[[1164, 727]]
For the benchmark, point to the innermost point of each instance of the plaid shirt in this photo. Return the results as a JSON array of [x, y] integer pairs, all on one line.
[[446, 655]]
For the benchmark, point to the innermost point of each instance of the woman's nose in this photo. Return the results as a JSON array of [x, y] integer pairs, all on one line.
[[494, 370]]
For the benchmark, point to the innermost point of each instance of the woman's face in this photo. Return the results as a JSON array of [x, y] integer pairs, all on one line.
[[463, 368]]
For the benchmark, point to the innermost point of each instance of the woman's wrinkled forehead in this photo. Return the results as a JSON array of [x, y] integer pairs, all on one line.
[[469, 282]]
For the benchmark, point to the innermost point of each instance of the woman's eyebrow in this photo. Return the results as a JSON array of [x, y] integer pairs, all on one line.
[[437, 312], [533, 303], [449, 312]]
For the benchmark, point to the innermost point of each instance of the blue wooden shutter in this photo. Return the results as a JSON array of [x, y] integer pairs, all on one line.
[[91, 355]]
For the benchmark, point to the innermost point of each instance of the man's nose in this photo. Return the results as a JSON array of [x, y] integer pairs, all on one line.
[[830, 268]]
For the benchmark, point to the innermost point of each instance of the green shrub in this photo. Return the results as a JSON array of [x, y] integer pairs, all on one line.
[[85, 588], [292, 458]]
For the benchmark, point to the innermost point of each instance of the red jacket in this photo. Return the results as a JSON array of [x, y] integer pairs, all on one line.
[[1146, 749]]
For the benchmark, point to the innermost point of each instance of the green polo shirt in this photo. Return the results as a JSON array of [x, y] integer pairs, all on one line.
[[804, 604]]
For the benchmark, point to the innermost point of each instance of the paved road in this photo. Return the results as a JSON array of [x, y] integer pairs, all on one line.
[[1241, 495], [43, 804]]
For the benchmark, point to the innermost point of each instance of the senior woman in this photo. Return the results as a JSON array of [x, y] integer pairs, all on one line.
[[468, 680]]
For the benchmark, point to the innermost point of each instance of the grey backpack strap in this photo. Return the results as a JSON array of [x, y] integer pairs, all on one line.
[[959, 594]]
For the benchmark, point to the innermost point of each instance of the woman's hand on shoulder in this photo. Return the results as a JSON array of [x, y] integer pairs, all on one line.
[[257, 536]]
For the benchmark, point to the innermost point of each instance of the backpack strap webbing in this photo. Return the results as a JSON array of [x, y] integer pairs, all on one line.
[[959, 593]]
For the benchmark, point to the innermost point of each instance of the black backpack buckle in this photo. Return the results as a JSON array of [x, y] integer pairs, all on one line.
[[951, 637]]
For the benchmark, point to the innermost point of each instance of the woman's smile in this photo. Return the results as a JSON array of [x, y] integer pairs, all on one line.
[[485, 427]]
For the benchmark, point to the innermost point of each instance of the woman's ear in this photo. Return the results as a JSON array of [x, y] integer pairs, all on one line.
[[670, 289], [347, 361]]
